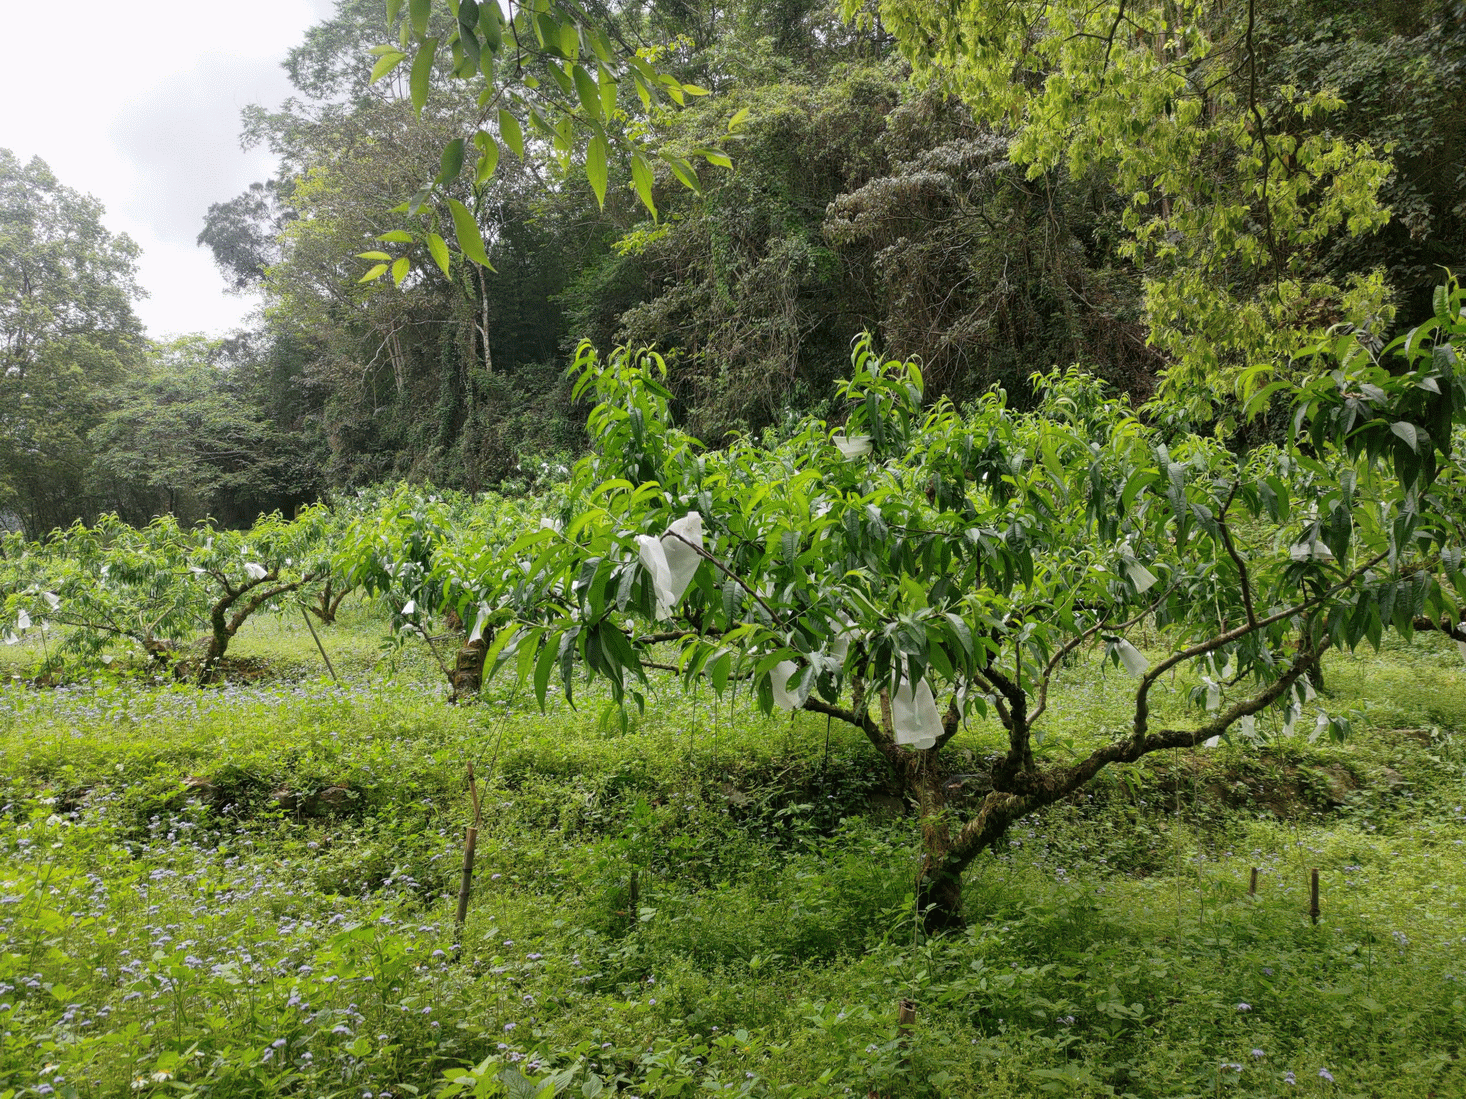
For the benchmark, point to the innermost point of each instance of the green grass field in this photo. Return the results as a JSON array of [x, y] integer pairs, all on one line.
[[249, 890]]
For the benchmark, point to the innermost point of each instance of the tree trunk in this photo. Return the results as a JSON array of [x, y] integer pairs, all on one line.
[[218, 643], [939, 896], [468, 669], [939, 885]]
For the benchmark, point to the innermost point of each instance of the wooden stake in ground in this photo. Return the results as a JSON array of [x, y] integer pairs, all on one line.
[[470, 841], [1252, 885], [633, 900], [1313, 897], [905, 1026], [314, 637]]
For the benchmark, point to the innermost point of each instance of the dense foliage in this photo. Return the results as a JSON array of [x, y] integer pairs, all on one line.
[[248, 891], [918, 554], [1295, 166], [67, 331]]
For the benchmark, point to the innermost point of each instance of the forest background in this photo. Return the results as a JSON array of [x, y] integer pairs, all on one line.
[[863, 198]]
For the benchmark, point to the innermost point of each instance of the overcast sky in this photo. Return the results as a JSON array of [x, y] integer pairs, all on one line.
[[139, 106]]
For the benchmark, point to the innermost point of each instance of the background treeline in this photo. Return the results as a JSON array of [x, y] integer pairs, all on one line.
[[859, 201]]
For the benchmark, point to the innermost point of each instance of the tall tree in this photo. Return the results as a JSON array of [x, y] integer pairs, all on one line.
[[1233, 189], [67, 331], [188, 436]]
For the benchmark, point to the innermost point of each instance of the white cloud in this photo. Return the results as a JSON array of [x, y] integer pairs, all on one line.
[[146, 119]]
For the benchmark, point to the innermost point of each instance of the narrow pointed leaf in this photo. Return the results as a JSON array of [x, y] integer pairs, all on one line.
[[470, 240], [422, 71], [489, 27], [606, 88], [595, 168], [451, 161], [386, 63], [510, 131], [587, 91], [438, 249], [487, 160], [683, 171], [641, 178]]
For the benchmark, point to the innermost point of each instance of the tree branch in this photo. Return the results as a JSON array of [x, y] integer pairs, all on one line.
[[861, 719], [705, 555], [1142, 704], [1035, 790]]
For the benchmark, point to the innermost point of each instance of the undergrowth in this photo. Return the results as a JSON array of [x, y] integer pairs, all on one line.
[[248, 890]]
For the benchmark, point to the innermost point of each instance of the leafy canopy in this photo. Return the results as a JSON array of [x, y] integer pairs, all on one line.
[[1234, 187], [548, 82]]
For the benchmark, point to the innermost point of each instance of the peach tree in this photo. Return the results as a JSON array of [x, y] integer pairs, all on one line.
[[918, 565], [177, 594]]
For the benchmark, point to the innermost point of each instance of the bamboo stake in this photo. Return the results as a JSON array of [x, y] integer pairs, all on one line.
[[470, 842], [316, 638], [905, 1027], [1252, 885], [1313, 896]]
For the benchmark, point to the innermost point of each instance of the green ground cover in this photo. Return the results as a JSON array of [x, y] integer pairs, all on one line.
[[249, 890]]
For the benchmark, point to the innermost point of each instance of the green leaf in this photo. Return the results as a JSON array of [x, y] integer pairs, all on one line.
[[393, 7], [641, 178], [614, 642], [569, 40], [400, 269], [1406, 431], [587, 91], [418, 12], [374, 255], [488, 158], [544, 665], [470, 240], [438, 249], [386, 63], [714, 157], [374, 272], [491, 658], [736, 122], [451, 161], [693, 89], [606, 86], [595, 168], [561, 77], [422, 71], [396, 236], [510, 131], [489, 27], [548, 32]]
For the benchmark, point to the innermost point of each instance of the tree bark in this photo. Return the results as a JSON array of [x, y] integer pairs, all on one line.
[[468, 669]]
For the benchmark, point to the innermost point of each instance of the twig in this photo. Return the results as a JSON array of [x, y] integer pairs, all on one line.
[[1236, 557], [728, 572]]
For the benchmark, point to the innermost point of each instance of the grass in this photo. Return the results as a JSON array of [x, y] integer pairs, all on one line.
[[248, 891]]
